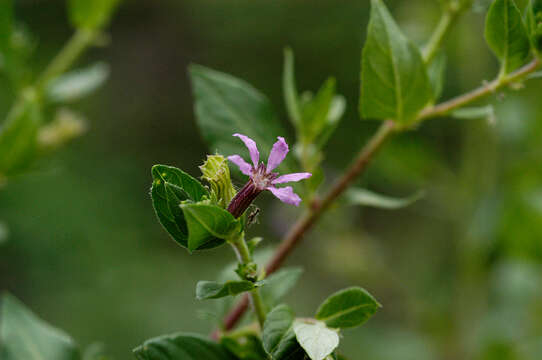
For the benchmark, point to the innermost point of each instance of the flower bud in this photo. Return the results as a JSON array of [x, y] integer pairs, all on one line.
[[216, 172]]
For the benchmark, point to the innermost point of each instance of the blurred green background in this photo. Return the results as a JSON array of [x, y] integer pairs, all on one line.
[[459, 273]]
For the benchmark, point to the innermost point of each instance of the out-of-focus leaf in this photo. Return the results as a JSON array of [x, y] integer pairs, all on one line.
[[6, 27], [437, 72], [206, 223], [4, 233], [181, 347], [66, 126], [215, 290], [246, 348], [24, 336], [278, 335], [78, 83], [347, 308], [314, 115], [278, 284], [316, 339], [170, 187], [535, 75], [289, 88], [93, 14], [469, 113], [225, 105], [394, 81], [506, 34], [18, 135], [365, 197], [534, 23]]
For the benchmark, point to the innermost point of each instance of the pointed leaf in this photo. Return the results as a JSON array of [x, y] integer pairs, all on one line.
[[181, 347], [394, 82], [24, 336], [78, 83], [506, 34], [289, 88], [225, 105], [347, 308], [206, 223], [278, 336], [215, 290], [365, 197], [316, 339]]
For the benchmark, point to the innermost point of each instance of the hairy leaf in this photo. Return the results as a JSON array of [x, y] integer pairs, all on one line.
[[394, 81], [91, 14], [225, 105], [316, 339], [278, 335], [78, 83], [215, 290], [181, 346], [347, 308], [24, 336], [206, 223], [506, 34], [365, 197]]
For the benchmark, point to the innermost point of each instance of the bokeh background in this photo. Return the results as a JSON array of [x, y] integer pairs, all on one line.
[[459, 273]]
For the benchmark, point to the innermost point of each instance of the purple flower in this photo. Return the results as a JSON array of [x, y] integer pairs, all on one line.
[[262, 176]]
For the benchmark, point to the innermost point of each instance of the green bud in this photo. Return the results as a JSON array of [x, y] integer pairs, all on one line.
[[216, 172]]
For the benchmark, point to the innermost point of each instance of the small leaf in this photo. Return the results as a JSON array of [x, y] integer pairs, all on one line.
[[394, 82], [246, 348], [289, 88], [18, 136], [93, 14], [437, 72], [316, 339], [347, 308], [214, 290], [506, 35], [469, 113], [24, 336], [315, 113], [225, 105], [206, 223], [278, 335], [365, 197], [534, 23], [278, 284], [181, 347], [170, 187], [78, 83]]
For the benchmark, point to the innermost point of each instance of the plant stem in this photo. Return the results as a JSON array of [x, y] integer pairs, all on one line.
[[435, 42], [67, 56], [244, 257]]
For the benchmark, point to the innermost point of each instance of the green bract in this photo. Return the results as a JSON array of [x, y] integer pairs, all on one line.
[[182, 206], [506, 35], [216, 172], [394, 81]]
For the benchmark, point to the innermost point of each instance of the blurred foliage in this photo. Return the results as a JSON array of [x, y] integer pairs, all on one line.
[[459, 273]]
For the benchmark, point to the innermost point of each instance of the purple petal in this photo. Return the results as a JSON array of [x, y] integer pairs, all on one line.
[[243, 165], [291, 177], [278, 153], [252, 148], [286, 195]]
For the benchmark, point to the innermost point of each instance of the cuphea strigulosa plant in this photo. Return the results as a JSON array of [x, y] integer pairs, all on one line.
[[400, 84]]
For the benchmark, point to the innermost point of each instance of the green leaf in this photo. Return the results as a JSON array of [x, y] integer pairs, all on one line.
[[18, 136], [315, 113], [246, 348], [170, 187], [365, 197], [347, 308], [506, 35], [437, 74], [206, 223], [225, 105], [278, 336], [394, 82], [289, 88], [534, 23], [316, 339], [480, 112], [278, 284], [6, 27], [181, 347], [215, 290], [78, 83], [24, 336], [93, 14]]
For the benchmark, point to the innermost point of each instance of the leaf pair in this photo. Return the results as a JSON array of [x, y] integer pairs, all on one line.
[[182, 207], [284, 337]]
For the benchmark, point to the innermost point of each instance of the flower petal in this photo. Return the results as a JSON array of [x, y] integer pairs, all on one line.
[[277, 154], [243, 165], [286, 195], [252, 148], [291, 177]]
